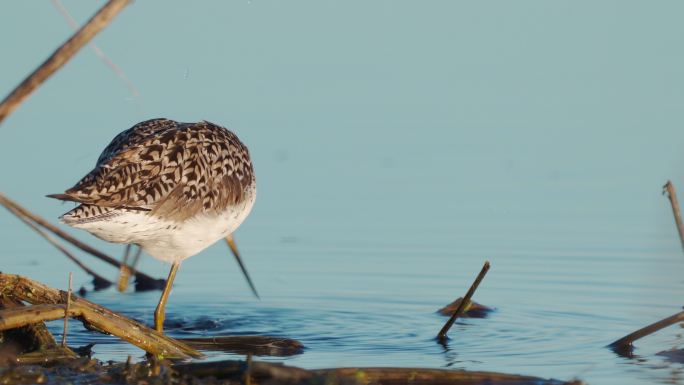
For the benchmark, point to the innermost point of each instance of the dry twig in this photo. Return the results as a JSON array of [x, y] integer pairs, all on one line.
[[99, 282], [61, 56], [50, 301], [464, 303], [669, 190], [34, 337], [66, 310], [627, 340], [100, 54], [256, 345]]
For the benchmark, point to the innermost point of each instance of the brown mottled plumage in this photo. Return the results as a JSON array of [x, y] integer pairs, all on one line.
[[172, 169], [172, 188]]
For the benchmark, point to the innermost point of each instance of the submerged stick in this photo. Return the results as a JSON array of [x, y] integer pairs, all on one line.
[[464, 303], [99, 282], [22, 316], [669, 190], [93, 315], [650, 329], [14, 207], [61, 56], [100, 54], [255, 345]]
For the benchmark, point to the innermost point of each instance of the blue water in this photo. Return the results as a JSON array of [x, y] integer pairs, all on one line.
[[397, 146]]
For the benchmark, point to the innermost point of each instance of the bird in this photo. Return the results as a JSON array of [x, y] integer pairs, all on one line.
[[171, 188]]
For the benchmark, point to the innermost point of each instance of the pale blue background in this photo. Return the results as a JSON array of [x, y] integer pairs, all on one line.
[[397, 145]]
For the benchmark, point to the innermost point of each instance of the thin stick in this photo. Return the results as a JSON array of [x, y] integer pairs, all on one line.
[[21, 211], [66, 310], [278, 373], [100, 54], [99, 281], [464, 303], [650, 329], [93, 315], [61, 56], [255, 345], [669, 190], [248, 372]]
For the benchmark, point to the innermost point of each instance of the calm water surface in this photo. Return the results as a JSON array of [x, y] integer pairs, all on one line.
[[365, 292], [391, 163]]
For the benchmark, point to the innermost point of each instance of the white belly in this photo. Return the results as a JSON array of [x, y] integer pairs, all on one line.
[[167, 240]]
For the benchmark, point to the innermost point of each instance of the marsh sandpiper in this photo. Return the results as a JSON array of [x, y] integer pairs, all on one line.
[[171, 188]]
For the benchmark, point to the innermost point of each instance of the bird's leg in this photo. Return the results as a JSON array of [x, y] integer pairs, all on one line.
[[136, 258], [233, 247], [159, 312], [125, 270]]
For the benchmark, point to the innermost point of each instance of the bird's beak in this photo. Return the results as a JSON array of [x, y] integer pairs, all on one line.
[[233, 247]]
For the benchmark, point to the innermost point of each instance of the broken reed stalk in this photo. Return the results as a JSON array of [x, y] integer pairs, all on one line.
[[61, 56], [464, 303], [99, 281], [669, 190], [66, 310], [650, 329], [22, 316], [98, 52], [49, 306], [248, 372], [20, 211], [33, 337], [255, 345]]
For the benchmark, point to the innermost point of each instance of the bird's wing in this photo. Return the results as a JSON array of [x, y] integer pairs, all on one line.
[[192, 168], [135, 135]]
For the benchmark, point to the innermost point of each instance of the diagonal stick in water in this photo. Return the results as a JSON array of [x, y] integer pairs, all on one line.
[[669, 190], [61, 56], [17, 209], [100, 54], [646, 330], [99, 281], [464, 303], [94, 316]]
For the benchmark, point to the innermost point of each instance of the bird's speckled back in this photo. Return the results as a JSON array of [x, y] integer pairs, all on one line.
[[174, 170]]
